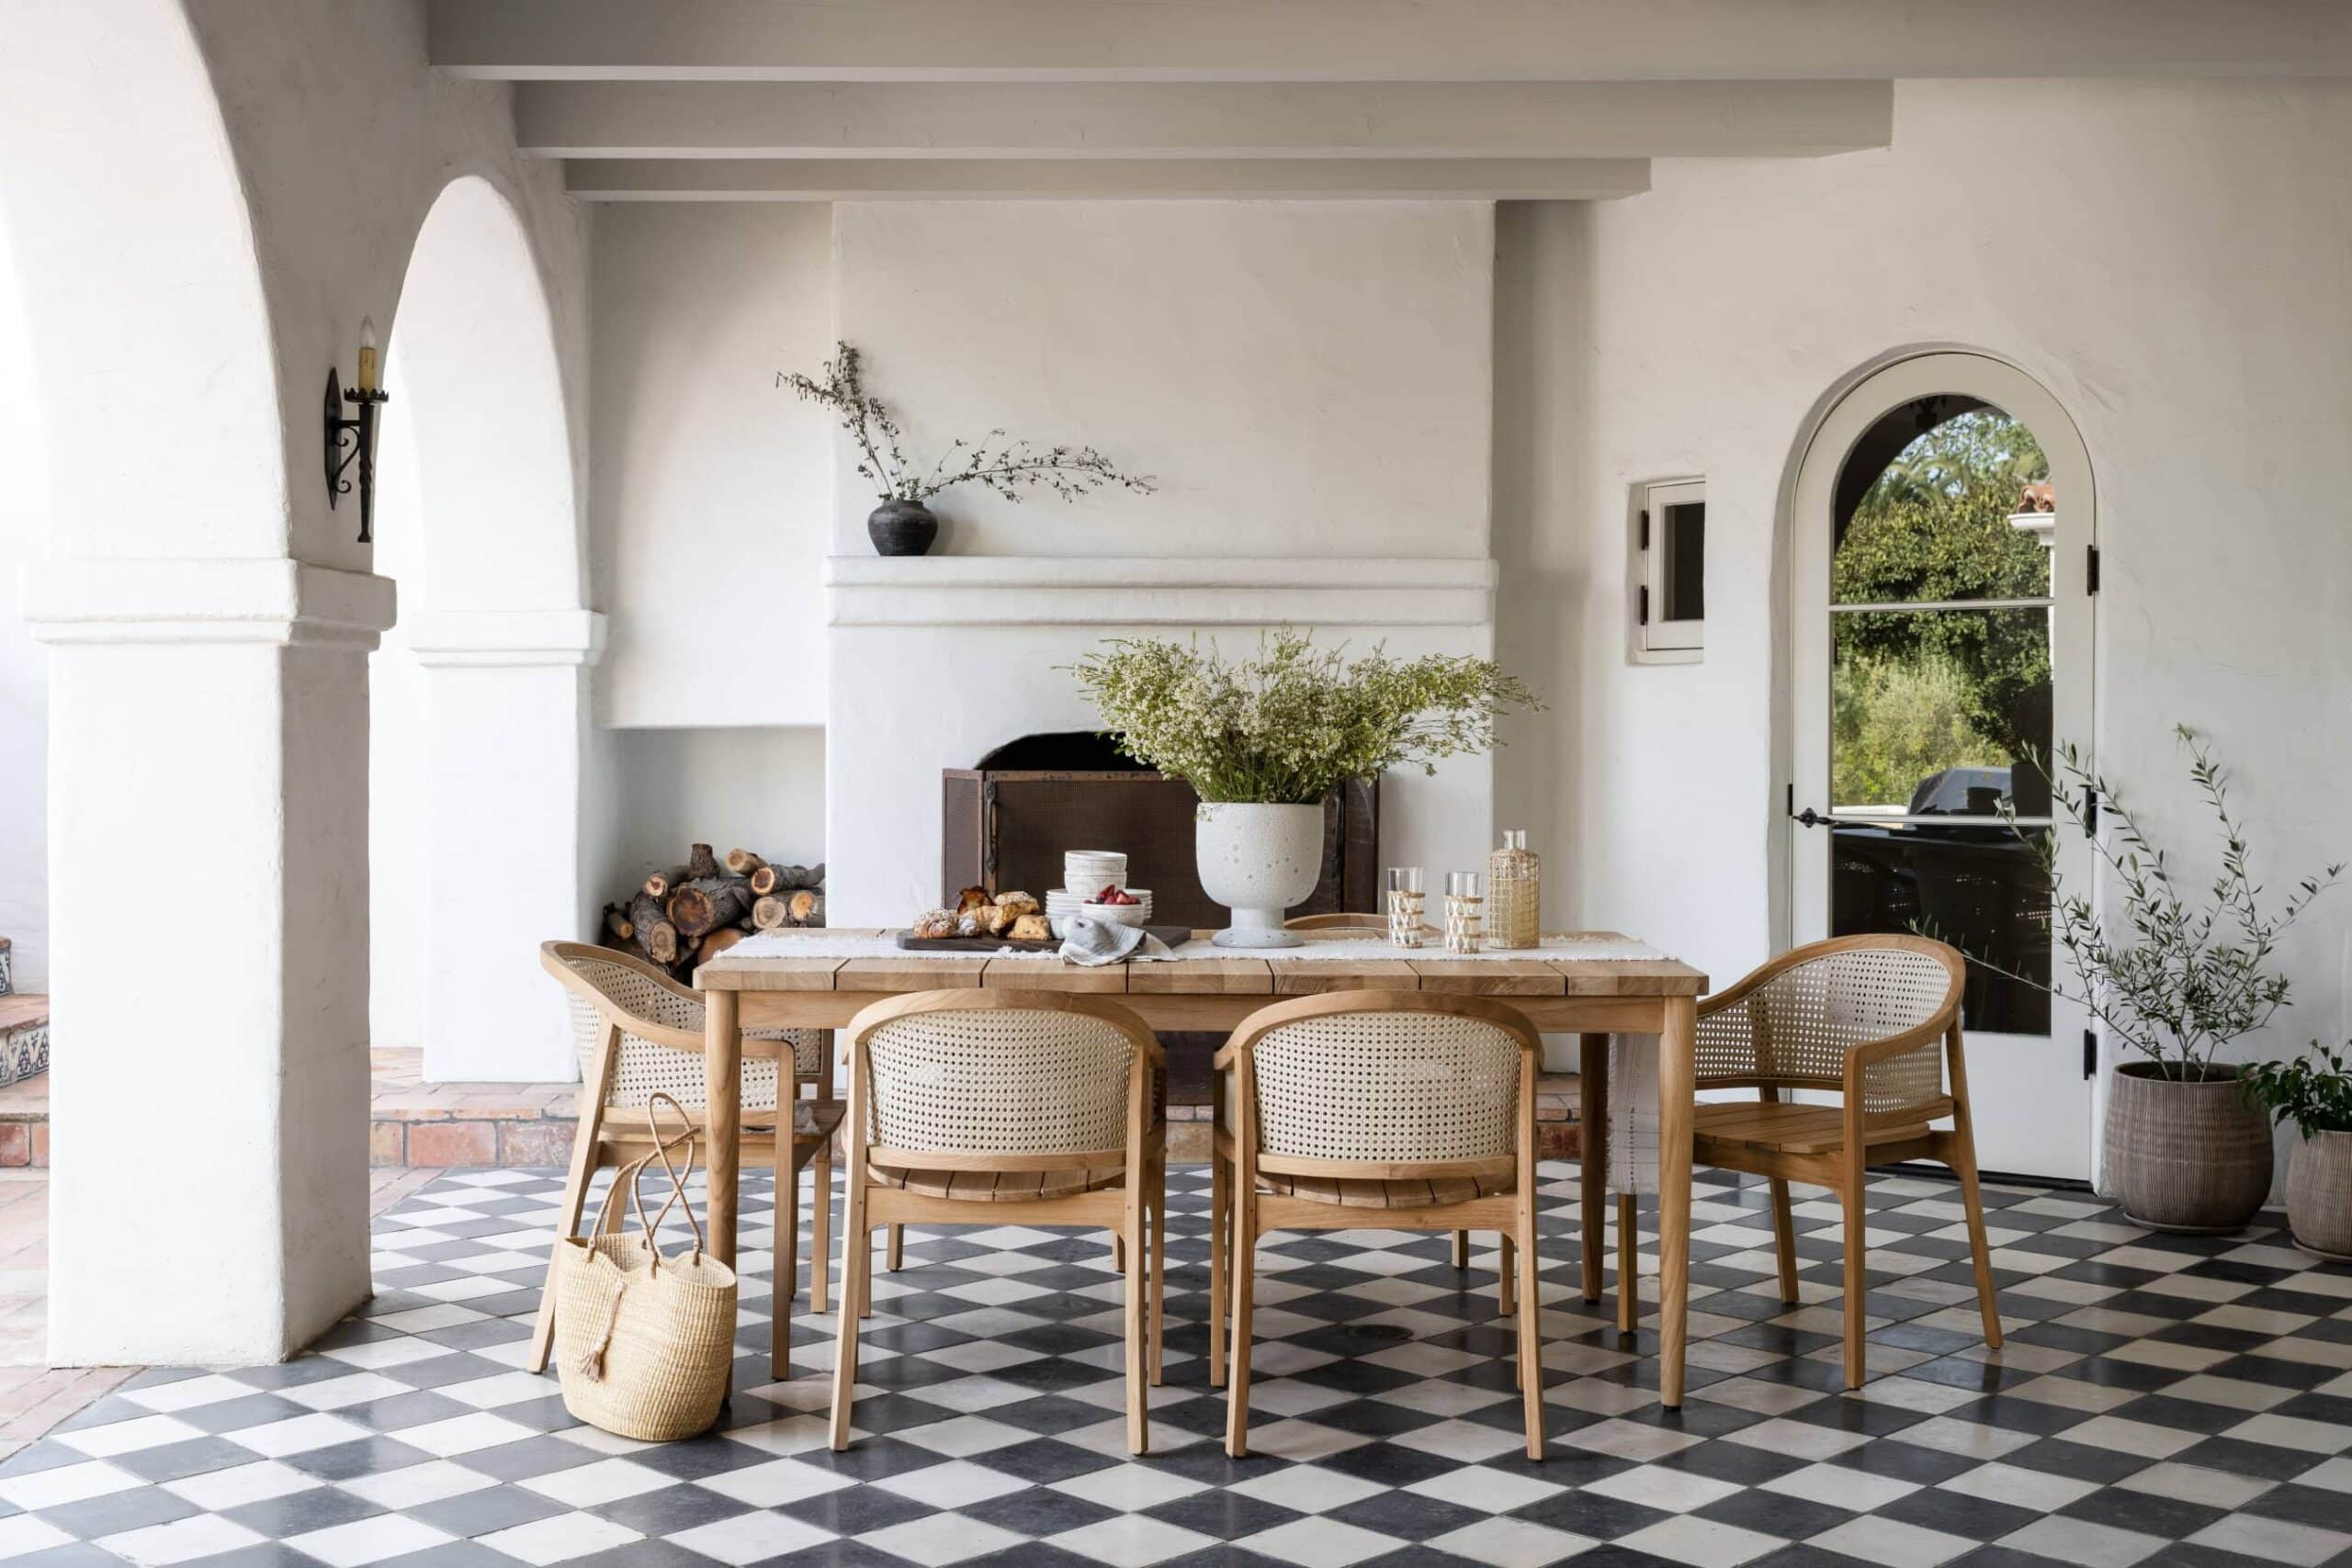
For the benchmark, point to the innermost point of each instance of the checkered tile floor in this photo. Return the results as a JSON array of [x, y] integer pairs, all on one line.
[[2162, 1400]]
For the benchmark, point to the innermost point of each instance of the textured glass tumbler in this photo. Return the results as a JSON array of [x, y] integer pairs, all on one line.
[[1466, 912], [1406, 903], [1515, 894]]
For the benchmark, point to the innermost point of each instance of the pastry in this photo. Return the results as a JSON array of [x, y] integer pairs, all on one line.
[[1017, 905], [1031, 928], [995, 918], [973, 922], [935, 923], [972, 898]]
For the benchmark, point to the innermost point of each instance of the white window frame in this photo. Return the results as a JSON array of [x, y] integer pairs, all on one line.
[[1657, 640]]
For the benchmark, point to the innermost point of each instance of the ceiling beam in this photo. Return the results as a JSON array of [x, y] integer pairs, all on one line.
[[1207, 119], [1167, 179], [951, 40]]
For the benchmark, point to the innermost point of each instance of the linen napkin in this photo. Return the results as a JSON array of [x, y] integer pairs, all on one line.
[[1091, 943]]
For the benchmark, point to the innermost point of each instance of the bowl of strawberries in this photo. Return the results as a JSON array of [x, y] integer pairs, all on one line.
[[1118, 905]]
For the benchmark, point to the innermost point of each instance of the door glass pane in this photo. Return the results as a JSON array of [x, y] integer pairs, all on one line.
[[1685, 565], [1931, 711], [1978, 888], [1965, 511]]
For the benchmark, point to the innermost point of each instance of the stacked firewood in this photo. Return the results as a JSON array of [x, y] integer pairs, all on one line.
[[691, 913]]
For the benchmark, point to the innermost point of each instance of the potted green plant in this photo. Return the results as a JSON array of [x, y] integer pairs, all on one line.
[[1265, 741], [904, 524], [2176, 977], [2315, 1092]]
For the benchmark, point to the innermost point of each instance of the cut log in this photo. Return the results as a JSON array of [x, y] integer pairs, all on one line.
[[707, 903], [654, 934], [700, 862], [717, 943], [774, 878], [769, 913], [806, 908], [742, 863], [618, 925]]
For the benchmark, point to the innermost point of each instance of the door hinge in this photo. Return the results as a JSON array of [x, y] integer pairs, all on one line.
[[1643, 613], [1645, 527], [2090, 569], [2090, 1053]]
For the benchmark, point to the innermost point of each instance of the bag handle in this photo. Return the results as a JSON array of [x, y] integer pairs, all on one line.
[[677, 1176], [624, 1180]]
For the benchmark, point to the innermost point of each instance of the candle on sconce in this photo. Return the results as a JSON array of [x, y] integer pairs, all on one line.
[[367, 382]]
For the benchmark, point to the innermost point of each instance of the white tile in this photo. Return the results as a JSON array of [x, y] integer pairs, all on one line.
[[1619, 1438], [464, 1434], [1303, 1442], [334, 1393], [425, 1319], [297, 1434], [1655, 1486], [1798, 1439], [2038, 1490], [937, 1538], [1876, 1538], [1703, 1544], [21, 1535], [367, 1541], [1511, 1543], [2081, 1543], [1496, 1491], [607, 1481], [1130, 1488], [417, 1483], [1970, 1439], [749, 1538], [1307, 1488], [559, 1538], [128, 1437], [383, 1353], [2273, 1540], [951, 1485], [776, 1481], [220, 1489], [66, 1483], [1318, 1543], [2196, 1483], [182, 1540], [1135, 1541], [1841, 1487], [2293, 1432], [188, 1393], [500, 1388]]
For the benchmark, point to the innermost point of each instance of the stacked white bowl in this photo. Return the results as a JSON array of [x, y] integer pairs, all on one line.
[[1091, 871]]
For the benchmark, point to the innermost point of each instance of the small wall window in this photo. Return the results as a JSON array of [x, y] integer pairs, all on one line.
[[1669, 571]]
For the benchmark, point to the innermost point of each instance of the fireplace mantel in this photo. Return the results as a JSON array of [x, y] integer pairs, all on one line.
[[1210, 591]]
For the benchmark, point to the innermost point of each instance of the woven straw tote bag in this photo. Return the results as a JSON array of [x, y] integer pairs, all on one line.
[[644, 1343]]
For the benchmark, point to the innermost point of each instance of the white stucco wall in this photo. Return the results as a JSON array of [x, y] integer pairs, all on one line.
[[24, 666], [2168, 259], [762, 789]]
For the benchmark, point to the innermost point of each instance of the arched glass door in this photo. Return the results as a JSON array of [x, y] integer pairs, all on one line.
[[1941, 638]]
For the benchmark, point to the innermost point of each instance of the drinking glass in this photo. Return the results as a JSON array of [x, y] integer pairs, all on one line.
[[1465, 910], [1405, 905]]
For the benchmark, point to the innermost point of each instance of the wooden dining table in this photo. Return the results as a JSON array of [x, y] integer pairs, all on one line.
[[771, 987]]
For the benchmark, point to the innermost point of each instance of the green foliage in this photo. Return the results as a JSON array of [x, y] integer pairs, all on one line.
[[1292, 724], [2316, 1098], [1935, 527], [2174, 975], [1006, 466], [1895, 721]]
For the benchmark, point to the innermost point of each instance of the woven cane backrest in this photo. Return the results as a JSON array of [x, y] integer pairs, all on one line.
[[997, 1080], [1798, 1026], [627, 991], [1390, 1087]]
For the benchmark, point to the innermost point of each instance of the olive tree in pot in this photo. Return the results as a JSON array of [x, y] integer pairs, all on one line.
[[2175, 976], [1265, 741], [2315, 1092], [904, 524]]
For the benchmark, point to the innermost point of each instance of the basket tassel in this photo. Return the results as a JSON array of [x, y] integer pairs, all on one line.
[[591, 1364]]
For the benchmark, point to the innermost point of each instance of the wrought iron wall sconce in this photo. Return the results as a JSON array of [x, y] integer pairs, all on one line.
[[351, 437]]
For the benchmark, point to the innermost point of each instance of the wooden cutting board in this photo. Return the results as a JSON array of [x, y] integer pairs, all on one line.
[[1174, 936]]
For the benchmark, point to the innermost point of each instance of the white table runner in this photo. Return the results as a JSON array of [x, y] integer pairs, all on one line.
[[851, 944]]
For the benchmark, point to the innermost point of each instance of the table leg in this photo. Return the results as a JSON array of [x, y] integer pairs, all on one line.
[[1676, 1070], [1592, 1136], [722, 1080]]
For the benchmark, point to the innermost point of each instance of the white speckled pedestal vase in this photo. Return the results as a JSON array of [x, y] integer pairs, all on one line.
[[1257, 861]]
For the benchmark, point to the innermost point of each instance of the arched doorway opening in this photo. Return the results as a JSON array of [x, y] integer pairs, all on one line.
[[1940, 639], [479, 709]]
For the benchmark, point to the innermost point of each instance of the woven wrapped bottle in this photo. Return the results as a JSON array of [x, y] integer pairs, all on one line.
[[1514, 893]]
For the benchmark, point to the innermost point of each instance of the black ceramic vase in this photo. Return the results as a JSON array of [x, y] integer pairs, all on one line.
[[901, 528]]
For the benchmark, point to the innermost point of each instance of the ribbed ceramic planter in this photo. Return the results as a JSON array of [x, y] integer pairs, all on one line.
[[1257, 861], [2319, 1194], [2191, 1157]]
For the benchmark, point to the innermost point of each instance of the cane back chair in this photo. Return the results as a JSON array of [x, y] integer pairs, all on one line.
[[977, 1107], [1406, 1110], [639, 1034], [1876, 1020]]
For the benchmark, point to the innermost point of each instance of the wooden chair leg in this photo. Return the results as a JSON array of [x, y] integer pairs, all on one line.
[[1971, 1198], [1853, 1195], [1243, 1265], [1462, 1249], [1629, 1264], [1220, 1202], [1156, 1197], [1531, 1338], [584, 1149], [1134, 1309], [820, 1224], [1505, 1294], [785, 1276], [857, 1243], [1784, 1239], [898, 1246], [1118, 1253], [1592, 1156]]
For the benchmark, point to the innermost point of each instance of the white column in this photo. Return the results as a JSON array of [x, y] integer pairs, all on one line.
[[209, 906], [507, 711]]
